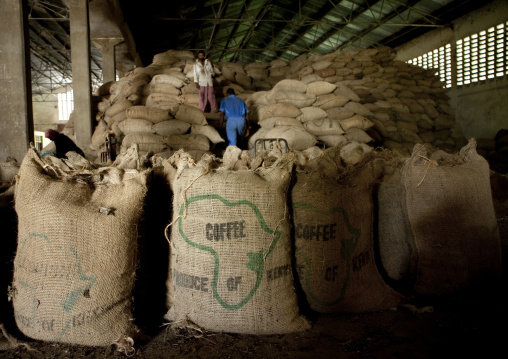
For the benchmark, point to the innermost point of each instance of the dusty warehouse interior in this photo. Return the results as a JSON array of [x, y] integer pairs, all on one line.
[[254, 178]]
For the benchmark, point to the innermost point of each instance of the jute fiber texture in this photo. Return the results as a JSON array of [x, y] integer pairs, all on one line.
[[76, 257], [450, 209], [397, 248], [334, 244], [231, 253]]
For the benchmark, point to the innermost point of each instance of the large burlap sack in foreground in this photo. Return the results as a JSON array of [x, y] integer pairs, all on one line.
[[230, 250], [397, 249], [76, 257], [335, 255], [451, 213]]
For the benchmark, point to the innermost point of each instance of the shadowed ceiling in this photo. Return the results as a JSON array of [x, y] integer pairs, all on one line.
[[233, 31]]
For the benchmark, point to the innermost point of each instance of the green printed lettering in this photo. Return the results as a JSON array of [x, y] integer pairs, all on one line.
[[333, 230], [209, 231], [256, 259], [298, 231], [204, 283], [242, 227], [347, 250]]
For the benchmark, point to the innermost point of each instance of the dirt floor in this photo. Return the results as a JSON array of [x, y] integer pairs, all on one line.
[[471, 323]]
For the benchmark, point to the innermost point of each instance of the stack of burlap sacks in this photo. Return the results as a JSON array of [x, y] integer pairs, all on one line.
[[357, 99], [370, 96], [155, 108]]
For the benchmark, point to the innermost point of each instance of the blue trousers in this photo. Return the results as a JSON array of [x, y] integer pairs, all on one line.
[[234, 128]]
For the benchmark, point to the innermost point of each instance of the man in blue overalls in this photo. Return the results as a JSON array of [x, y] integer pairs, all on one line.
[[237, 116]]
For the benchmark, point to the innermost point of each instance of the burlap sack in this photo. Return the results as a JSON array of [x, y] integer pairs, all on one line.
[[320, 88], [243, 80], [168, 79], [295, 98], [76, 256], [280, 71], [118, 106], [230, 258], [191, 99], [171, 127], [132, 125], [354, 152], [345, 91], [450, 209], [322, 99], [325, 73], [8, 170], [311, 114], [163, 100], [189, 88], [298, 139], [333, 140], [339, 113], [133, 88], [152, 114], [358, 135], [356, 121], [280, 121], [99, 135], [320, 65], [397, 248], [335, 257], [174, 71], [357, 108], [278, 110], [258, 135], [311, 78], [208, 131], [190, 114], [278, 63], [103, 105], [104, 89], [325, 126], [332, 102], [117, 89], [119, 117], [289, 85], [257, 73], [145, 142], [188, 142]]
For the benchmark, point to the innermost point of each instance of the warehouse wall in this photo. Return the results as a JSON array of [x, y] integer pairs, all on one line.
[[481, 108], [45, 112]]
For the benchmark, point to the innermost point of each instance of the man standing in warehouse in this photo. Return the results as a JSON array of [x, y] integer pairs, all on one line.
[[203, 78], [236, 113], [63, 143]]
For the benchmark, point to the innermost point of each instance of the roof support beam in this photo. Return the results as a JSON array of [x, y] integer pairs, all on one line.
[[222, 7], [265, 8], [303, 29], [233, 32], [385, 19]]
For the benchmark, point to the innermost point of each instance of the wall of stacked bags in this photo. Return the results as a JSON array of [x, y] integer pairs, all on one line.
[[362, 98], [247, 240]]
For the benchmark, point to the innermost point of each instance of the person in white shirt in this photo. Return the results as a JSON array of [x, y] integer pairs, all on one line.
[[203, 72]]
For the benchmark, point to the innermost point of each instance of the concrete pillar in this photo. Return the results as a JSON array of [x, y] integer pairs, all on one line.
[[107, 47], [80, 58], [16, 118]]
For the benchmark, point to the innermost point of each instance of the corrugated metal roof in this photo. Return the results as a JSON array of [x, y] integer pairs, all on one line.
[[243, 30]]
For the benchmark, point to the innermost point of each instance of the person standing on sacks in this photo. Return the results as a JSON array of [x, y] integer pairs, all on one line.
[[236, 113], [203, 78]]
